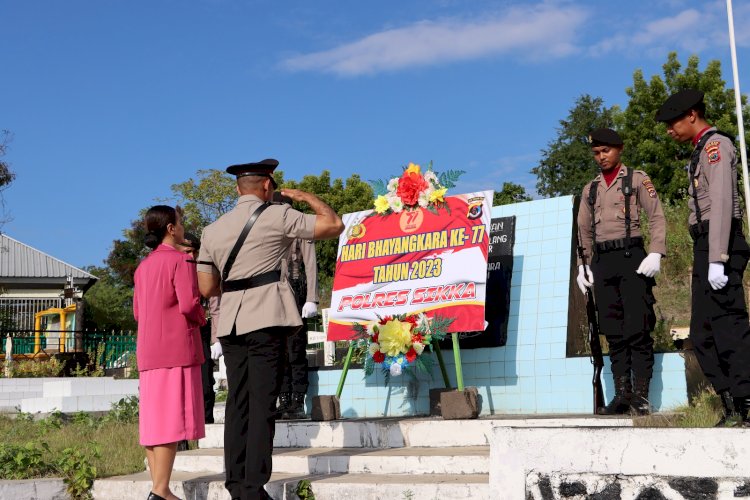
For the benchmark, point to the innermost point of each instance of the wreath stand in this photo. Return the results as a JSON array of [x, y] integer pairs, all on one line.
[[454, 404]]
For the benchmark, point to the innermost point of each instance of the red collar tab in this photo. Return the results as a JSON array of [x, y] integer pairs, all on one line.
[[700, 134]]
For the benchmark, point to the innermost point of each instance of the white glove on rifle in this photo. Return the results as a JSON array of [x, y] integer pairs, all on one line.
[[216, 351], [585, 278], [309, 310], [716, 276], [650, 266]]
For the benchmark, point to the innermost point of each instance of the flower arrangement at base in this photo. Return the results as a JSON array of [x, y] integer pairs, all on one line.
[[398, 343], [414, 189]]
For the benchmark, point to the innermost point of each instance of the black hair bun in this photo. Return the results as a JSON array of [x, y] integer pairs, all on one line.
[[151, 240]]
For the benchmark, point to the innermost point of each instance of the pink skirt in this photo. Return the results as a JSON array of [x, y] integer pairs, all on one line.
[[171, 405]]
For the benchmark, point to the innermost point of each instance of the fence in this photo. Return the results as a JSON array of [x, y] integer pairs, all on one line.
[[111, 350], [18, 313]]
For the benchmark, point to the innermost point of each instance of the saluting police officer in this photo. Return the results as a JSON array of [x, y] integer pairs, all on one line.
[[719, 321], [621, 273], [240, 257], [301, 270]]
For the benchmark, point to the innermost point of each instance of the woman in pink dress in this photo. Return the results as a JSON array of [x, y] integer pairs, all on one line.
[[166, 304]]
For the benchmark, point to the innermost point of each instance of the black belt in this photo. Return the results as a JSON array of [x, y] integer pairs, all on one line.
[[252, 282], [608, 246], [701, 228]]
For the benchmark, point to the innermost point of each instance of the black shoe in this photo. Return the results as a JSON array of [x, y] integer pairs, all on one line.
[[729, 413], [296, 409], [639, 403], [154, 496], [620, 404]]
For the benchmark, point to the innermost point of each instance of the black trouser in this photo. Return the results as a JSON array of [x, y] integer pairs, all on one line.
[[254, 363], [295, 367], [207, 374], [625, 302], [719, 322]]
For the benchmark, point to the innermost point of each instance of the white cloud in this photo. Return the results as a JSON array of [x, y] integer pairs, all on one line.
[[531, 32]]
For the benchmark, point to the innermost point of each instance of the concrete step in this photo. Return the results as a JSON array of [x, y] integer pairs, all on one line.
[[202, 486], [400, 432], [306, 461]]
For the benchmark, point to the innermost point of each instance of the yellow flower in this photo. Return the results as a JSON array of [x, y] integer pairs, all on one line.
[[381, 204], [413, 168], [437, 195], [394, 337]]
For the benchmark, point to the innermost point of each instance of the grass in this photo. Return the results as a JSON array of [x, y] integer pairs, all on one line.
[[704, 410], [118, 441]]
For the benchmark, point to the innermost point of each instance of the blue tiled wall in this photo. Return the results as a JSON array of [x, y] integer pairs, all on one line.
[[530, 374]]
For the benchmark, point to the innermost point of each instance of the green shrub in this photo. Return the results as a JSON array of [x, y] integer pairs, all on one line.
[[23, 461], [77, 471], [125, 411]]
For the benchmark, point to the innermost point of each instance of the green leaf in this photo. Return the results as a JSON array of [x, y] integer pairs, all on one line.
[[450, 177]]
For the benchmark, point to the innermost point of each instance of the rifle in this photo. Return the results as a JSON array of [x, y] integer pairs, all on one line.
[[597, 359]]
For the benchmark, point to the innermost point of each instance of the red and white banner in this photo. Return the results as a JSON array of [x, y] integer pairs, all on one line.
[[413, 261]]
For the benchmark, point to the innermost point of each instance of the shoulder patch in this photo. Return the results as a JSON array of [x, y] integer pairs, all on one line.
[[712, 150], [649, 187]]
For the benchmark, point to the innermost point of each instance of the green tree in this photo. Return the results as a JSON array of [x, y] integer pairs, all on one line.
[[567, 164], [127, 253], [204, 200], [109, 303], [6, 174], [511, 193], [648, 147]]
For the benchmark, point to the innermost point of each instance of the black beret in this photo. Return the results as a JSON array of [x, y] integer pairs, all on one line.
[[605, 137], [678, 104], [264, 168]]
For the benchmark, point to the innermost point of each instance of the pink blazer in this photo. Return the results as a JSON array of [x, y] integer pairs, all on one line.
[[166, 305]]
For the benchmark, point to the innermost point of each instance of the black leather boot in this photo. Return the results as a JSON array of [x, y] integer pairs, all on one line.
[[620, 404], [742, 406], [285, 401], [727, 404], [296, 410], [639, 402]]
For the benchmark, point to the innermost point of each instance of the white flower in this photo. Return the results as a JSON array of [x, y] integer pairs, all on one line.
[[423, 322], [431, 179], [392, 186], [374, 347], [370, 330], [395, 369], [395, 203], [424, 199], [418, 347]]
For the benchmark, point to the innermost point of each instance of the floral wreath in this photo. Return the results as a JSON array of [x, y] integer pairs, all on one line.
[[414, 189], [399, 342]]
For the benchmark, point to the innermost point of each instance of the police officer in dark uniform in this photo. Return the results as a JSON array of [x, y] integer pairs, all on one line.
[[301, 270], [240, 258], [621, 272], [719, 325]]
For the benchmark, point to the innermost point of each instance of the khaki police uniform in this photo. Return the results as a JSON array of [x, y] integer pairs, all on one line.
[[252, 328], [719, 321], [624, 298], [301, 269]]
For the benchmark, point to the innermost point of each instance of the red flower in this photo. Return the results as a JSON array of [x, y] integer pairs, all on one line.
[[379, 357], [411, 355], [385, 320], [412, 320], [417, 338], [375, 338], [409, 186]]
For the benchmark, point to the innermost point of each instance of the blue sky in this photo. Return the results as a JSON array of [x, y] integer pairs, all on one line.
[[111, 102]]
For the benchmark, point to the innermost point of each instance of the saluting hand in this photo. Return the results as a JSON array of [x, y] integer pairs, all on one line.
[[585, 278], [650, 266], [716, 276]]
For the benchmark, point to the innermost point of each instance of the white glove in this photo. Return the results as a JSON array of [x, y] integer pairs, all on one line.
[[716, 276], [216, 351], [309, 310], [650, 266], [585, 278]]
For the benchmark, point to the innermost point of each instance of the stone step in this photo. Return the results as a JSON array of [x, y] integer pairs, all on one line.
[[305, 461], [400, 432], [202, 486]]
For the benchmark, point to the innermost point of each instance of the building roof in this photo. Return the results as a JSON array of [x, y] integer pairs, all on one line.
[[21, 263]]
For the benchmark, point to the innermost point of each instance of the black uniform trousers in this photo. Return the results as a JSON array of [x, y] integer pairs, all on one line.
[[625, 302], [207, 374], [719, 326], [254, 362], [295, 368]]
